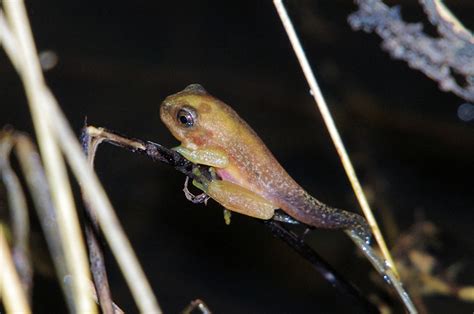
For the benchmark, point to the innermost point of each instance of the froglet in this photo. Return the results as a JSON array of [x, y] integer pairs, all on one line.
[[250, 180]]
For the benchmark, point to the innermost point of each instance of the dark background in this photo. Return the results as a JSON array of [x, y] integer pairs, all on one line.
[[119, 59]]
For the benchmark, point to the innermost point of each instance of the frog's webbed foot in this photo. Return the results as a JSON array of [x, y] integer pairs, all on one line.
[[196, 199]]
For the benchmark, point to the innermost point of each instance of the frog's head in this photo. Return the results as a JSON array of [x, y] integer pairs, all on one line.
[[196, 118]]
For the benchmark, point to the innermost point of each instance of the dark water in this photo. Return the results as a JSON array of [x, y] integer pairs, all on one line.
[[118, 60]]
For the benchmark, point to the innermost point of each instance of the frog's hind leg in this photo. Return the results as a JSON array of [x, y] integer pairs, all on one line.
[[239, 199]]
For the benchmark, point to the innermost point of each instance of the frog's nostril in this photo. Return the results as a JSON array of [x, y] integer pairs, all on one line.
[[165, 105]]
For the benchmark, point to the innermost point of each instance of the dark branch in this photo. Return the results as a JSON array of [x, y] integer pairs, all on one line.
[[322, 267], [94, 245], [92, 137]]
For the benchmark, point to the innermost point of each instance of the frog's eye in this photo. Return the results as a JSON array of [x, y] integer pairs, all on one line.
[[186, 117]]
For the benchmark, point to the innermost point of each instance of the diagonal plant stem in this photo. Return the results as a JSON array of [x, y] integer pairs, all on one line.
[[11, 292], [96, 252], [332, 129], [37, 183], [18, 212], [9, 42], [50, 121], [108, 220], [31, 75]]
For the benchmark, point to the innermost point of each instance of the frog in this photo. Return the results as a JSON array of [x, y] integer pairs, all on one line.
[[247, 178]]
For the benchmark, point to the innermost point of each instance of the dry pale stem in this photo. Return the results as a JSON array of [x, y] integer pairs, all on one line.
[[69, 228], [346, 162], [14, 297], [107, 218], [19, 219], [53, 129], [334, 133]]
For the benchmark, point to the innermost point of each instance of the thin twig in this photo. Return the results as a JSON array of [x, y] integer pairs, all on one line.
[[9, 42], [196, 304], [115, 308], [97, 264], [334, 133], [328, 273], [108, 220], [96, 252], [93, 136], [37, 182], [19, 214], [11, 292]]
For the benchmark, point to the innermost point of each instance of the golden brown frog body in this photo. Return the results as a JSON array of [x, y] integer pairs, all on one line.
[[252, 181]]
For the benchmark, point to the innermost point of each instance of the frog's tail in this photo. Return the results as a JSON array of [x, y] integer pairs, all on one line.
[[309, 210]]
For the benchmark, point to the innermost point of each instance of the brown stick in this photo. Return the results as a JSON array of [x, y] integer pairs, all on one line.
[[92, 137]]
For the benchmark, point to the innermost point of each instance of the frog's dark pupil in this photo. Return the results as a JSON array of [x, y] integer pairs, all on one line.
[[183, 119]]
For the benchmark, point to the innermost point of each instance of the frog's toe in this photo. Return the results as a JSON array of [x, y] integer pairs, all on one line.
[[196, 199]]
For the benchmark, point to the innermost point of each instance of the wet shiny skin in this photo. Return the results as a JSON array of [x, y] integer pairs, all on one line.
[[252, 181]]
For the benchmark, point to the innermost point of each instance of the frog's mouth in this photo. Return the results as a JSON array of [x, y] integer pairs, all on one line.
[[189, 146]]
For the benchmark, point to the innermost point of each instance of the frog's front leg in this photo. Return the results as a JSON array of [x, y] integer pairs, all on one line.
[[208, 157]]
